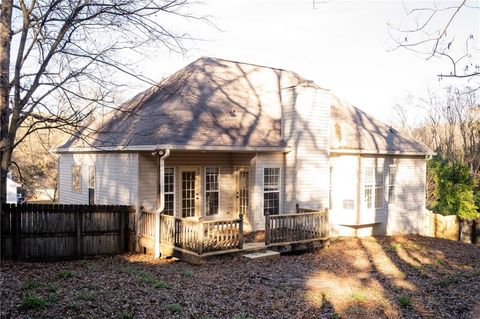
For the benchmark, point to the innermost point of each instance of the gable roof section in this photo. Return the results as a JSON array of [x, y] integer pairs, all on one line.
[[355, 131], [209, 103], [216, 104]]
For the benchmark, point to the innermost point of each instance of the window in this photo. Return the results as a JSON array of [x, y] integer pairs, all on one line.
[[169, 191], [373, 187], [243, 190], [348, 204], [379, 187], [271, 191], [76, 178], [91, 185], [392, 181], [211, 190]]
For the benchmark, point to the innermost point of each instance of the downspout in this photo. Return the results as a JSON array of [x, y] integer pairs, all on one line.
[[161, 154]]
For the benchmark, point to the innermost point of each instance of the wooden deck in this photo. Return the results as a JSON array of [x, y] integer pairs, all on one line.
[[196, 240], [194, 258]]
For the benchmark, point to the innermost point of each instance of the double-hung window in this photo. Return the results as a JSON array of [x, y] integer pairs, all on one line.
[[379, 187], [211, 190], [271, 190], [392, 181], [76, 178], [169, 190], [373, 187]]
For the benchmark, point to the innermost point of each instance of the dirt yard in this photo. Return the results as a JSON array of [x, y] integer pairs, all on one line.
[[382, 277]]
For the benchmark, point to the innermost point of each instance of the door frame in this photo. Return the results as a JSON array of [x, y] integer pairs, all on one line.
[[198, 189], [237, 170]]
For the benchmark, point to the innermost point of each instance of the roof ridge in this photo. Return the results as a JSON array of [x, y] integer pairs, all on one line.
[[246, 63]]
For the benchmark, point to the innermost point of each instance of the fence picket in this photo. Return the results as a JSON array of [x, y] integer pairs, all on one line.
[[56, 231]]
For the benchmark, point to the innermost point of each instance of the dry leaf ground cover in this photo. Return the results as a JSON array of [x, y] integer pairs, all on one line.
[[376, 277]]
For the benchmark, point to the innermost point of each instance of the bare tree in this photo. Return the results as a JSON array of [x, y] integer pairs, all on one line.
[[428, 33], [59, 60], [451, 125]]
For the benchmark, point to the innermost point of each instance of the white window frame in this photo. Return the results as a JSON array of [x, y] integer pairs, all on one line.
[[372, 184], [79, 191], [238, 170], [205, 191], [174, 189], [279, 188], [392, 164]]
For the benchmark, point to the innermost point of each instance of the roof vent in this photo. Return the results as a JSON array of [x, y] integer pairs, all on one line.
[[232, 113]]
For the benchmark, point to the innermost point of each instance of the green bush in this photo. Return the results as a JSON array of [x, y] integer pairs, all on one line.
[[451, 189]]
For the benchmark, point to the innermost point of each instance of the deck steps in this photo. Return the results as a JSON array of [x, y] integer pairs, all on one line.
[[266, 254]]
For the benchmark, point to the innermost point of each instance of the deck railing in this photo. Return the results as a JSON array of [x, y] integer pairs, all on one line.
[[305, 225], [200, 236], [147, 225]]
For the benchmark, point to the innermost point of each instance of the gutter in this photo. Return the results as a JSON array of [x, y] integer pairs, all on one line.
[[161, 154], [155, 148], [382, 152]]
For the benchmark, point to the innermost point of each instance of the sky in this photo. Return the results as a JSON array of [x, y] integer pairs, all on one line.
[[344, 46]]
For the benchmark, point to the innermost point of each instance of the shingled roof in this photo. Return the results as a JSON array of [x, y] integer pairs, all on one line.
[[210, 102], [354, 130], [220, 103]]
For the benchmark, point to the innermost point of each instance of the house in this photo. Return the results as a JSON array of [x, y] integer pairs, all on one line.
[[12, 190], [221, 138]]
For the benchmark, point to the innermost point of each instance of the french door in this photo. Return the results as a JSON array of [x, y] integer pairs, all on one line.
[[243, 190], [190, 191]]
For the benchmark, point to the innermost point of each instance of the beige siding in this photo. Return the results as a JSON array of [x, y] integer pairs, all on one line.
[[226, 161], [116, 177], [147, 183], [305, 128], [265, 160], [66, 195], [405, 216]]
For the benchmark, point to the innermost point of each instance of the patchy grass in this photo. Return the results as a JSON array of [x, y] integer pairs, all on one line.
[[404, 302], [359, 297], [160, 284], [86, 296], [65, 274], [34, 301], [127, 315], [187, 273], [175, 307], [52, 287], [373, 277], [31, 284]]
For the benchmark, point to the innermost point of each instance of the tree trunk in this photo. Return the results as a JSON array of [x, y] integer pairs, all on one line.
[[5, 143]]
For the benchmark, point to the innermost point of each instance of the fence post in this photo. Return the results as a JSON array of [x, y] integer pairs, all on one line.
[[201, 231], [16, 229], [121, 212], [78, 227], [240, 229], [267, 228]]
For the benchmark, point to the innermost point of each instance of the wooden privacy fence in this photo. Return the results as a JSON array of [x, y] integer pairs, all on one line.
[[201, 236], [451, 227], [51, 231], [305, 225]]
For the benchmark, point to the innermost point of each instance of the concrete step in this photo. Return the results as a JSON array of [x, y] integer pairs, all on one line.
[[267, 254]]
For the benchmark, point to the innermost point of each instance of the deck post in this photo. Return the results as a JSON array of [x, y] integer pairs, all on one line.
[[326, 224], [200, 235], [240, 235], [267, 228]]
